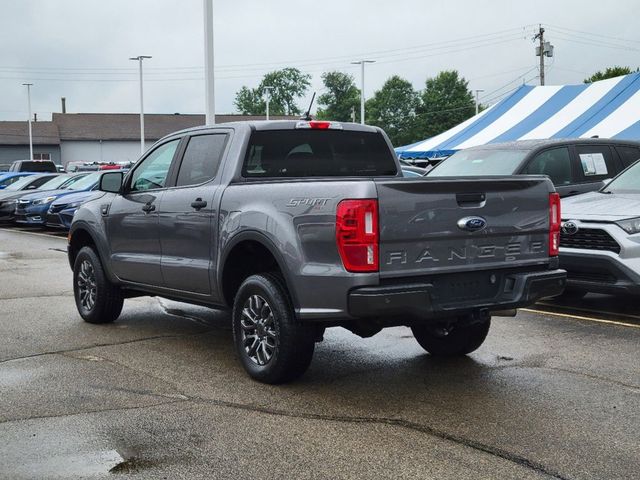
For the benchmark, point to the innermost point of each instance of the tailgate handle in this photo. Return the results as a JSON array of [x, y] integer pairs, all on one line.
[[470, 199]]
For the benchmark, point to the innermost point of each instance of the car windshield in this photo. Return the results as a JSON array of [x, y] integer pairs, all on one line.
[[84, 182], [18, 184], [473, 163], [626, 182], [55, 183]]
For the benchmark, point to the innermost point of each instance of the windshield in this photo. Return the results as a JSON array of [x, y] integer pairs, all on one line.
[[473, 163], [18, 184], [627, 182], [84, 183], [54, 183]]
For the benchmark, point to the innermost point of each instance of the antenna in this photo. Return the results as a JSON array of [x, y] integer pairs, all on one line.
[[307, 116]]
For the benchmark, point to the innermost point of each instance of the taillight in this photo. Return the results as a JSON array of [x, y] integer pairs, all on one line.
[[357, 234], [319, 125], [554, 224]]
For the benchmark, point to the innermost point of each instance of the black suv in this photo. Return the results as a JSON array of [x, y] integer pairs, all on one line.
[[38, 166], [574, 165]]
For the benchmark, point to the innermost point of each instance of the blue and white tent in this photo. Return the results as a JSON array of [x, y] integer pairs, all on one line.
[[607, 109]]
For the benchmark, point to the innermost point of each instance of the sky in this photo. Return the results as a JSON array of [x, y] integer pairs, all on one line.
[[79, 49]]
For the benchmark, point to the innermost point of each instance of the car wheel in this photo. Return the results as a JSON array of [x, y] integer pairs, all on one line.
[[451, 340], [272, 345], [97, 299]]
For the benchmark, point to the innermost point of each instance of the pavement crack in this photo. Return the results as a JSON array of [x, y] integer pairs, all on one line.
[[396, 422], [97, 345]]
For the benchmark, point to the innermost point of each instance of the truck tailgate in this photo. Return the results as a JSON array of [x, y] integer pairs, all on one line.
[[436, 225]]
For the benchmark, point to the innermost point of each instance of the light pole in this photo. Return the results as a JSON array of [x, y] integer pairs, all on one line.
[[29, 85], [361, 63], [209, 85], [139, 58], [477, 101], [268, 94]]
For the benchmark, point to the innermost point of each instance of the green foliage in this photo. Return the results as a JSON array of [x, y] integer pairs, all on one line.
[[610, 72], [393, 108], [288, 85], [342, 97], [446, 102]]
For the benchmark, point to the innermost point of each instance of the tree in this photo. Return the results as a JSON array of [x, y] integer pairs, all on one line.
[[341, 99], [393, 108], [610, 72], [446, 102], [287, 86]]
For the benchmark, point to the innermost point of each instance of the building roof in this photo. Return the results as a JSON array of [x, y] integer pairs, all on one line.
[[17, 133], [126, 126]]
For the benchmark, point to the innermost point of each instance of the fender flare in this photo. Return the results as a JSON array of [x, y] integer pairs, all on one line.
[[261, 238]]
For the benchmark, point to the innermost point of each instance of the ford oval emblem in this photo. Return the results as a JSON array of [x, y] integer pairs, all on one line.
[[472, 224]]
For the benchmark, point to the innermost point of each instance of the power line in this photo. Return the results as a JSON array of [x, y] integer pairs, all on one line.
[[591, 34]]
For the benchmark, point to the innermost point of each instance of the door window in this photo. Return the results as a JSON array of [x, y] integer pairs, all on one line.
[[555, 163], [201, 159], [628, 155], [595, 162], [154, 168]]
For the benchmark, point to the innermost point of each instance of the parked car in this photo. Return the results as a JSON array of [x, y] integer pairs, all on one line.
[[61, 211], [600, 237], [31, 209], [8, 178], [409, 170], [31, 184], [35, 166], [302, 225], [574, 165]]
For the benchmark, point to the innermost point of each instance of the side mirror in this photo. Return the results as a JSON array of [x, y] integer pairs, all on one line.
[[111, 182]]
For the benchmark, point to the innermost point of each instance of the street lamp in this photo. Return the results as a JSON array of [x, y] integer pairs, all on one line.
[[139, 58], [209, 84], [268, 95], [477, 101], [361, 63], [29, 85]]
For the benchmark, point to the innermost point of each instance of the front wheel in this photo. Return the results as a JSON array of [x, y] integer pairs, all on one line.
[[273, 347], [451, 340], [97, 299]]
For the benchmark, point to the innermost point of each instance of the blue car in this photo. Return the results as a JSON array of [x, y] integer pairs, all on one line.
[[8, 178], [32, 209], [62, 210]]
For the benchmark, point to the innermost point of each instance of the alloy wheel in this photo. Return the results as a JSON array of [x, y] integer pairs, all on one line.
[[86, 283], [259, 335]]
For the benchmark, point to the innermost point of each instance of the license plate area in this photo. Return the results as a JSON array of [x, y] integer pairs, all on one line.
[[463, 287]]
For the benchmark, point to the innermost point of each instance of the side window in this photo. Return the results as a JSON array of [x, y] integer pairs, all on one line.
[[153, 169], [555, 163], [595, 162], [201, 159], [628, 155]]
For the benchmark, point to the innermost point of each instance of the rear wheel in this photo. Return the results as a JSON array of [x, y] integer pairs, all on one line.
[[97, 299], [273, 347], [449, 340]]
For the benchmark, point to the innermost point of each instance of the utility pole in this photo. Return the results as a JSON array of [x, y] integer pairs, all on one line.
[[361, 63], [29, 85], [139, 58], [209, 84], [544, 49], [268, 92], [477, 100]]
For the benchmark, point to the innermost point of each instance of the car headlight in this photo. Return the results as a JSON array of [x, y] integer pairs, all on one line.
[[41, 201], [631, 225], [73, 205]]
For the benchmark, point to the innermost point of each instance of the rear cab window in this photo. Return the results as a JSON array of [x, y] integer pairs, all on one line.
[[318, 153]]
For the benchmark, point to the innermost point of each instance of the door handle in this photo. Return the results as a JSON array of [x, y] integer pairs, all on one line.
[[148, 207], [198, 203]]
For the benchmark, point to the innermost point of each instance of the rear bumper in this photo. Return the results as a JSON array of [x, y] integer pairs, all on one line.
[[421, 301]]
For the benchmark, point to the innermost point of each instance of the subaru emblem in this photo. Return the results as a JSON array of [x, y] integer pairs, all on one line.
[[472, 224]]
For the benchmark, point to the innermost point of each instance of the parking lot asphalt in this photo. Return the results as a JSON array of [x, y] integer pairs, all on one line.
[[159, 394]]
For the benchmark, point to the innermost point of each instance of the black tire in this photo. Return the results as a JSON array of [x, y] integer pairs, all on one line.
[[97, 299], [460, 339], [281, 349]]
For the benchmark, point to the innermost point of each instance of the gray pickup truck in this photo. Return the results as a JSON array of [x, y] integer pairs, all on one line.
[[297, 226]]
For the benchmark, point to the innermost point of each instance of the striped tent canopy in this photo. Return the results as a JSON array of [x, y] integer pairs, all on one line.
[[607, 109]]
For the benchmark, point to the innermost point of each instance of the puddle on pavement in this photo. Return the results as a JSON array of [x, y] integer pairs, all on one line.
[[73, 465]]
